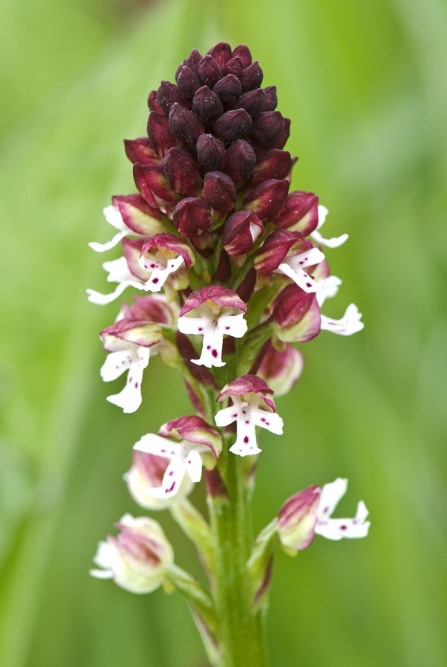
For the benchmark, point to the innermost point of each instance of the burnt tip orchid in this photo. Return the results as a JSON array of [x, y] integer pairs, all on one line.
[[232, 273]]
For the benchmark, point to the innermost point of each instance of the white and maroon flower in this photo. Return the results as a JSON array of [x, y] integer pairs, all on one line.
[[330, 243], [131, 215], [131, 341], [137, 559], [248, 393], [309, 512], [163, 256], [288, 253], [197, 443], [213, 312], [281, 369], [146, 473]]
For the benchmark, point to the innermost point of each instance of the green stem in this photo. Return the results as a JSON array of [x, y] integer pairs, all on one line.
[[241, 630]]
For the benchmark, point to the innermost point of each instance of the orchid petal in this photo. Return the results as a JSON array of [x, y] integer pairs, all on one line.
[[102, 247], [233, 325], [155, 444], [104, 299], [349, 324], [194, 325], [171, 481], [160, 275], [268, 420], [330, 243], [130, 397], [116, 364], [193, 465], [327, 288], [330, 496], [322, 215], [299, 277], [226, 416]]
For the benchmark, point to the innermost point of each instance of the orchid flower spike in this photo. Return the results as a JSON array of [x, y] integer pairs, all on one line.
[[199, 444], [213, 312], [330, 243], [309, 512], [247, 393], [130, 342], [138, 558]]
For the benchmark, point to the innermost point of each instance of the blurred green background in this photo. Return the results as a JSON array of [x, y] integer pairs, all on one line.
[[364, 83]]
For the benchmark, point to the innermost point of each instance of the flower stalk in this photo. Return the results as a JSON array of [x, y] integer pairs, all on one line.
[[231, 275]]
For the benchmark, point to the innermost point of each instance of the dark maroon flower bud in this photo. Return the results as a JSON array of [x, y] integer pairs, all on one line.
[[207, 104], [185, 125], [251, 77], [210, 153], [181, 171], [273, 164], [299, 213], [252, 102], [160, 133], [223, 271], [209, 71], [140, 150], [240, 232], [192, 61], [152, 102], [148, 177], [271, 99], [187, 81], [233, 66], [267, 199], [221, 53], [285, 134], [242, 52], [241, 160], [247, 286], [192, 215], [275, 249], [267, 128], [219, 191], [233, 125], [138, 215], [229, 89], [167, 95]]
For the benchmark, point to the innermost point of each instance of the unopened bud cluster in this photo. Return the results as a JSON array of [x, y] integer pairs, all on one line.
[[236, 274]]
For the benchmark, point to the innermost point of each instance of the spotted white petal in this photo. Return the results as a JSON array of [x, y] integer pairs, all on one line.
[[116, 364], [155, 444], [194, 325], [242, 448], [193, 465], [331, 495], [211, 354], [226, 416], [233, 325], [268, 420], [349, 324], [172, 480], [299, 277], [160, 274]]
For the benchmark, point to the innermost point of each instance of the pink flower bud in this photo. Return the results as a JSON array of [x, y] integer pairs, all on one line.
[[251, 77], [273, 164], [140, 150], [242, 52], [160, 133], [182, 172], [191, 216], [297, 315], [137, 558], [210, 153], [187, 81], [281, 370], [267, 199], [233, 66], [138, 215], [241, 160], [207, 105], [240, 232], [233, 125], [229, 89], [267, 128], [185, 124], [219, 191], [209, 71], [252, 101], [221, 53], [167, 95], [299, 213], [270, 99], [298, 517]]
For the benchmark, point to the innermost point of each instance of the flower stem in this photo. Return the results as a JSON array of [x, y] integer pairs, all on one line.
[[242, 633]]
